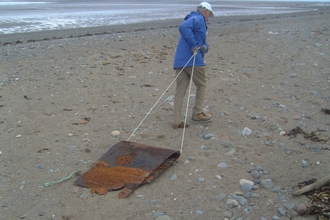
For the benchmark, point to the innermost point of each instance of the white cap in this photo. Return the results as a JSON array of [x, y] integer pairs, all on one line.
[[206, 6]]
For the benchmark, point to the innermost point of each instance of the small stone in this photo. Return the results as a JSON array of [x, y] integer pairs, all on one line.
[[230, 153], [207, 136], [42, 167], [199, 212], [255, 174], [70, 134], [220, 197], [304, 163], [276, 189], [242, 181], [227, 214], [174, 177], [191, 158], [301, 209], [267, 183], [282, 211], [203, 147], [218, 177], [246, 131], [289, 206], [18, 136], [231, 203], [246, 187], [163, 217], [201, 179], [115, 133], [157, 214], [222, 165]]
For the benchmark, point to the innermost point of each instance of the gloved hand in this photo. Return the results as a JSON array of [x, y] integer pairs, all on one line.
[[203, 48], [194, 50]]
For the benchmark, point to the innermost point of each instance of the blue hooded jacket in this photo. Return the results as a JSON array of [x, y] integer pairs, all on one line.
[[193, 34]]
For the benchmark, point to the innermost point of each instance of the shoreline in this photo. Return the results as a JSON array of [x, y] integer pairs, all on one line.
[[19, 38]]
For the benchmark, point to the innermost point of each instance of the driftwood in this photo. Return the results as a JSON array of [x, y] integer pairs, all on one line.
[[312, 186]]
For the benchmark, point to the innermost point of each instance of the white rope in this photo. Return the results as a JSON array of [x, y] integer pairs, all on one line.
[[160, 99], [185, 119]]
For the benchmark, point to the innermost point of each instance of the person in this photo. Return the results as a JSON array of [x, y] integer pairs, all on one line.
[[193, 31]]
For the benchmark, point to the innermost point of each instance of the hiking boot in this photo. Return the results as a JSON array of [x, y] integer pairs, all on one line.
[[181, 125], [201, 117]]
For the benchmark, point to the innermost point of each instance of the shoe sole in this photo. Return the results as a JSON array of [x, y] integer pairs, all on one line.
[[203, 121]]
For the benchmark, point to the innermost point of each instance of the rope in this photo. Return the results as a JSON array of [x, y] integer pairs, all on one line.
[[76, 173], [185, 119], [160, 98]]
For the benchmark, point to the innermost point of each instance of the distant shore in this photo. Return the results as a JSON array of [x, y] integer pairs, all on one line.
[[18, 38]]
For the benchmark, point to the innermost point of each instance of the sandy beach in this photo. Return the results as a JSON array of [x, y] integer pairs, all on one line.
[[64, 92]]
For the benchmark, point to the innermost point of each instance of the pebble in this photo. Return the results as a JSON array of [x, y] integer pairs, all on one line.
[[203, 147], [289, 206], [207, 136], [218, 177], [42, 167], [220, 197], [282, 211], [276, 189], [231, 203], [201, 179], [267, 183], [230, 153], [191, 158], [242, 181], [227, 214], [163, 217], [199, 212], [246, 187], [255, 174], [174, 177], [70, 134], [115, 133], [246, 131], [157, 214], [222, 165], [304, 163]]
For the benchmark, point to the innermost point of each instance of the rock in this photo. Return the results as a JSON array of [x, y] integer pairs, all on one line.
[[242, 181], [246, 187], [220, 197], [301, 209], [282, 211], [289, 206], [158, 214], [246, 131], [199, 212], [222, 165], [267, 183], [231, 203], [115, 133], [227, 214], [174, 177], [163, 217]]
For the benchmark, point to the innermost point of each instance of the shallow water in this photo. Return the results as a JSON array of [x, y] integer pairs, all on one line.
[[31, 16]]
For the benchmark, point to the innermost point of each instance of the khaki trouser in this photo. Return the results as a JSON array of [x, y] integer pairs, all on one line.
[[182, 83]]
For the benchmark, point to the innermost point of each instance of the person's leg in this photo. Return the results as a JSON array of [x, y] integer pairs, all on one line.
[[199, 79], [182, 83]]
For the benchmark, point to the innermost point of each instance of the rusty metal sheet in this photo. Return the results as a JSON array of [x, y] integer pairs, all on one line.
[[126, 165]]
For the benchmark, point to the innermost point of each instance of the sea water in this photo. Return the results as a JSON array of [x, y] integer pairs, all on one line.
[[20, 16]]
